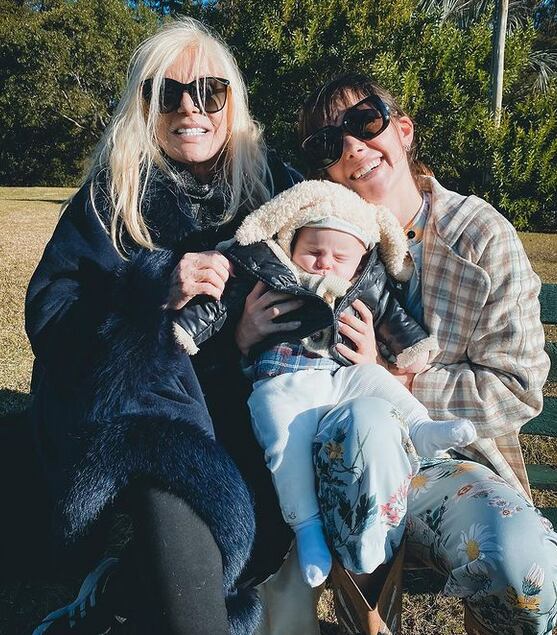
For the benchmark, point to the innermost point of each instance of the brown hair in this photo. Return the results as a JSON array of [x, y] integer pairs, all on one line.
[[324, 104]]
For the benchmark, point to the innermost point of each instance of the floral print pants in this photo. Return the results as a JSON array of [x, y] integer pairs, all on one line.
[[495, 550]]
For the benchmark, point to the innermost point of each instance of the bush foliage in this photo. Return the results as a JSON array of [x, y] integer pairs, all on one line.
[[61, 68], [64, 66]]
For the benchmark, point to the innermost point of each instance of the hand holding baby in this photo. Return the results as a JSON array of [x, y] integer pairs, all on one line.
[[359, 330]]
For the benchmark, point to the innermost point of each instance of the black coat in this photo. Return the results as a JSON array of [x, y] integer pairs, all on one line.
[[394, 327], [116, 400]]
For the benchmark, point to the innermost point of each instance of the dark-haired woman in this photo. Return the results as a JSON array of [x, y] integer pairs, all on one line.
[[476, 294]]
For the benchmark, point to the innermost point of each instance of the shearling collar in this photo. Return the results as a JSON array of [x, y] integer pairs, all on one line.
[[276, 221]]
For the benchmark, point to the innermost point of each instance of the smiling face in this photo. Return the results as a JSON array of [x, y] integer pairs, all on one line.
[[323, 251], [377, 169], [189, 135]]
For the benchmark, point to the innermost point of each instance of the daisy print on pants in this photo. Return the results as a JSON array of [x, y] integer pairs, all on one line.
[[476, 550], [479, 544], [519, 611]]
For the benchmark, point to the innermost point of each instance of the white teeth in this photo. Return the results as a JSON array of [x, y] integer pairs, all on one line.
[[366, 169], [190, 132]]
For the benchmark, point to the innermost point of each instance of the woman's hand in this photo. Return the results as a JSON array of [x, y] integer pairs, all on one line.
[[262, 307], [203, 273], [358, 330]]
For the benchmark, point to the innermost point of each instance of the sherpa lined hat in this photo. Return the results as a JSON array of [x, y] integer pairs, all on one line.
[[341, 225], [326, 204]]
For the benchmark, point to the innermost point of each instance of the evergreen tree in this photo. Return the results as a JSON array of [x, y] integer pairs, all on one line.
[[438, 69], [62, 69]]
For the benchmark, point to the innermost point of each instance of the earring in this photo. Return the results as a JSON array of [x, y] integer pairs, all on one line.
[[406, 147]]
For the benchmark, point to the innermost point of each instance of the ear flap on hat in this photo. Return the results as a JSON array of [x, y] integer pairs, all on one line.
[[393, 246], [281, 211]]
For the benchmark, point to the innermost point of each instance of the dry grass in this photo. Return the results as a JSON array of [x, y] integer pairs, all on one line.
[[27, 218]]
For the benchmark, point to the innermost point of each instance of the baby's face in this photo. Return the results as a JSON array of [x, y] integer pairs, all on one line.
[[323, 251]]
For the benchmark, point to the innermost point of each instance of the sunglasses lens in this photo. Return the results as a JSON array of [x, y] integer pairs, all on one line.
[[365, 123], [209, 94], [171, 95], [212, 94], [324, 148]]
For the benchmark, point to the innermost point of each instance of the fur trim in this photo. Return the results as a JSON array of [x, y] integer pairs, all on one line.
[[184, 339], [319, 342], [130, 434], [244, 612], [330, 288], [409, 355], [304, 203], [393, 246], [175, 455], [137, 340]]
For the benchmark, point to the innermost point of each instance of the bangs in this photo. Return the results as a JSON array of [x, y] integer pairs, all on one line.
[[330, 103], [323, 106], [201, 58]]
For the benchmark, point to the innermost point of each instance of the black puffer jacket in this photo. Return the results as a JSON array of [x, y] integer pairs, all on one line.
[[394, 327]]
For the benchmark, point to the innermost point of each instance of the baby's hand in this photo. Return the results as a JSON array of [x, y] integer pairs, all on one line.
[[431, 438]]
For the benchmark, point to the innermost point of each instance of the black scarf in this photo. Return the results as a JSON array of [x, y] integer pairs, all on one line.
[[186, 214]]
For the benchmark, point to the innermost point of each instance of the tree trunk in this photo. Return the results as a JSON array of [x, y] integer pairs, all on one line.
[[498, 59]]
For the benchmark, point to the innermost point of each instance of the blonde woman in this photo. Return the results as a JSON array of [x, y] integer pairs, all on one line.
[[120, 415]]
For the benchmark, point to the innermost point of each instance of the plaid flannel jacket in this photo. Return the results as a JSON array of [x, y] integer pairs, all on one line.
[[480, 299], [285, 358]]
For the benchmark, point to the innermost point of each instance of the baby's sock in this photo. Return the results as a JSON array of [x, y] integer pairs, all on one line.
[[313, 553], [431, 438]]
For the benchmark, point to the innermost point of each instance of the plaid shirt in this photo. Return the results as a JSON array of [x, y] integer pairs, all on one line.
[[480, 299], [286, 358]]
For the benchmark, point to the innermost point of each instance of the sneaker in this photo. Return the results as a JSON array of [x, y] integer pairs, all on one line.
[[87, 614]]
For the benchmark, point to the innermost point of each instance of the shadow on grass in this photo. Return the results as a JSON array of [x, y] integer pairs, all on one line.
[[419, 581], [12, 404], [57, 201]]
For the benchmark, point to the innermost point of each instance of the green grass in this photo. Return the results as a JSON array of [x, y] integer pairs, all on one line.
[[27, 218]]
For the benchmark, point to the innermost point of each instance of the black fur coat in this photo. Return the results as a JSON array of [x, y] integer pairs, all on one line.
[[116, 400]]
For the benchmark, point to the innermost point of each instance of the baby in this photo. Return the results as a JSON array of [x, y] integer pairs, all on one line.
[[321, 241]]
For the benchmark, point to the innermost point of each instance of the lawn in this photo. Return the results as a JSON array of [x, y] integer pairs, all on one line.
[[27, 218]]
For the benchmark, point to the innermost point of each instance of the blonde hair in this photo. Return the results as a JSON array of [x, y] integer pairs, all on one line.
[[129, 148]]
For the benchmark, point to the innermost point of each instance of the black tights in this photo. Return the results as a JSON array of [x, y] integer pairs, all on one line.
[[181, 565]]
